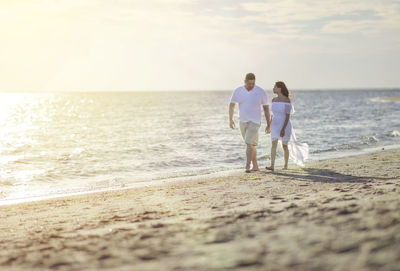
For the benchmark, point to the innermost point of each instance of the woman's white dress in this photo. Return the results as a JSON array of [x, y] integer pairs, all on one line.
[[298, 152]]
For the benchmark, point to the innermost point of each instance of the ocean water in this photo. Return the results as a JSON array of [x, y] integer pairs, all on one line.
[[60, 143]]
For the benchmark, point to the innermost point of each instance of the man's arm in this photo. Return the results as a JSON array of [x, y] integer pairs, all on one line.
[[231, 110], [267, 118]]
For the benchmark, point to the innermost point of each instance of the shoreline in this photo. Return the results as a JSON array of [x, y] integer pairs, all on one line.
[[218, 174], [335, 214]]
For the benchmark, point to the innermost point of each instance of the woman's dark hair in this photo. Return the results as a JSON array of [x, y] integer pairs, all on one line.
[[283, 88]]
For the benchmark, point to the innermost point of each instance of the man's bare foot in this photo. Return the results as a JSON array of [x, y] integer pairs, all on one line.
[[284, 168], [270, 168], [247, 171], [255, 169]]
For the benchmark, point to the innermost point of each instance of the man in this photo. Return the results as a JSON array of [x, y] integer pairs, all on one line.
[[250, 99]]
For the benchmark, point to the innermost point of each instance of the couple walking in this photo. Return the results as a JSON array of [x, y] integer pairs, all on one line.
[[250, 99]]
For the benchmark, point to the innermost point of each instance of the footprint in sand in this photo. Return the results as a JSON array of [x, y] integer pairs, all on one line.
[[291, 206], [347, 197], [347, 211], [220, 237], [146, 236], [328, 200], [243, 215]]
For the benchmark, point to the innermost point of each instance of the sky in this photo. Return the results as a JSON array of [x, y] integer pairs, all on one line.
[[121, 45]]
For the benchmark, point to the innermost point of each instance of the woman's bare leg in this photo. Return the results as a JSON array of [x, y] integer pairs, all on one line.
[[273, 154], [286, 155]]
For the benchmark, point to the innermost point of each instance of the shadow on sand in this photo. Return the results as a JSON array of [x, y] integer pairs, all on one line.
[[323, 175]]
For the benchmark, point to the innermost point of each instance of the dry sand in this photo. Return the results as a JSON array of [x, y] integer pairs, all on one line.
[[338, 214]]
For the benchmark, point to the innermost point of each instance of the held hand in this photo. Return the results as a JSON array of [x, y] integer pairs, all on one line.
[[282, 133], [232, 124], [268, 129]]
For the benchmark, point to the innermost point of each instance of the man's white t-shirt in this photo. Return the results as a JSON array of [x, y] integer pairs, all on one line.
[[250, 103]]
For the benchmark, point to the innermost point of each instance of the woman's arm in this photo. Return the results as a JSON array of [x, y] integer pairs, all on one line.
[[285, 124]]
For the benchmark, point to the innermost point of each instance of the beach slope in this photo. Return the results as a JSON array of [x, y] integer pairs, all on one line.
[[337, 214]]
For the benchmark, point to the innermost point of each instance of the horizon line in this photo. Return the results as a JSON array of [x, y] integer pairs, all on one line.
[[197, 90]]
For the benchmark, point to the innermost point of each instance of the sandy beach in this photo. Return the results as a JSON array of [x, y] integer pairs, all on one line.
[[338, 214]]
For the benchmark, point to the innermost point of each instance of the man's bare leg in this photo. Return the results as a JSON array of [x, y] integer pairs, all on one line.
[[254, 159], [249, 156]]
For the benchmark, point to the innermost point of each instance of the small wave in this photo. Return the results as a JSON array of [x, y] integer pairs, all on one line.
[[338, 148], [159, 148], [72, 154], [232, 160], [3, 195], [351, 147], [133, 150], [5, 159], [394, 133], [78, 150], [6, 183], [370, 138], [179, 163], [325, 150], [64, 157]]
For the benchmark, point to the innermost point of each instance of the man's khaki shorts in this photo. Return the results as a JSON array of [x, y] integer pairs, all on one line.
[[249, 132]]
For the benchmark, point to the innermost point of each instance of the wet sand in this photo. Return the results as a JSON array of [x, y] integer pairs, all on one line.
[[338, 214]]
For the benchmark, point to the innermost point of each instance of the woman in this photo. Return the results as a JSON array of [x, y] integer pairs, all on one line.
[[281, 128]]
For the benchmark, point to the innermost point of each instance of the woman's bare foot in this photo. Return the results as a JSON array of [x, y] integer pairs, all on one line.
[[270, 168], [284, 168], [247, 170], [255, 169]]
